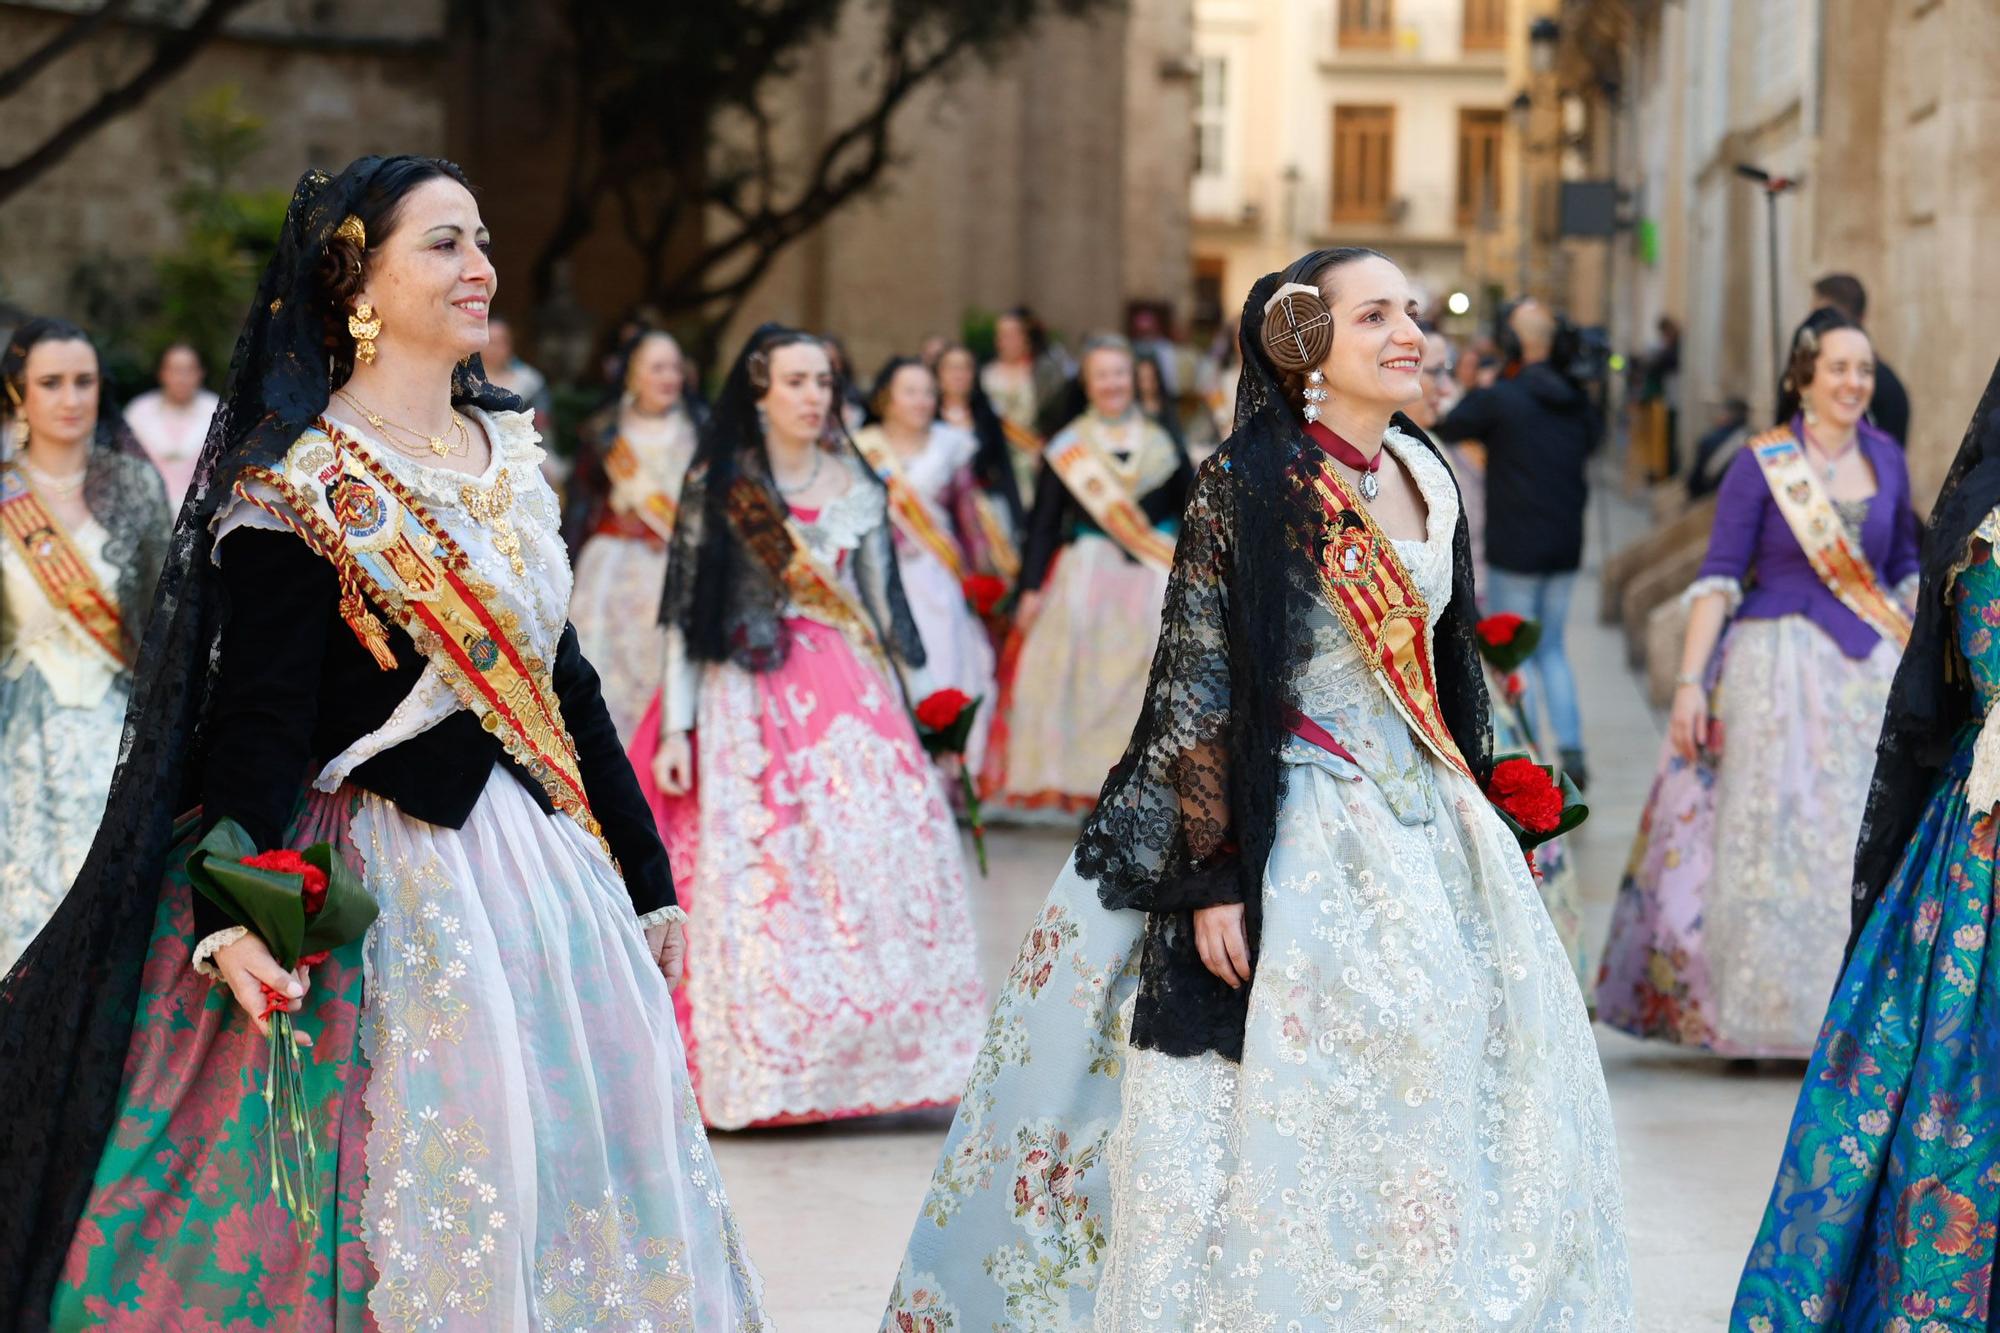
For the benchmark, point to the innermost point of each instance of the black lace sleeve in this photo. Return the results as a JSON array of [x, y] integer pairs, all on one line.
[[1160, 839], [609, 782]]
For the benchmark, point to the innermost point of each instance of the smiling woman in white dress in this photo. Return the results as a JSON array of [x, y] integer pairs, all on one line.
[[1293, 1044]]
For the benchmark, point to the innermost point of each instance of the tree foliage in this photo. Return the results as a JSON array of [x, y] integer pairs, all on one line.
[[679, 135], [178, 31]]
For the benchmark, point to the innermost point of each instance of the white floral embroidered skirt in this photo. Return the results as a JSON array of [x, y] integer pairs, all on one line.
[[55, 769], [1418, 1136], [535, 1159], [615, 606]]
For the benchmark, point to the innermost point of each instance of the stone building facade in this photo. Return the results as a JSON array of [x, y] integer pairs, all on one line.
[[1887, 114], [1056, 178], [330, 81], [1383, 123]]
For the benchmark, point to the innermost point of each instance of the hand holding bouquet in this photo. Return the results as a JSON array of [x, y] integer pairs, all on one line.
[[302, 905]]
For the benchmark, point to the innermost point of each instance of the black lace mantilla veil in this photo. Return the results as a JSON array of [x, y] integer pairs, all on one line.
[[1932, 695], [66, 1008], [1187, 818], [727, 600]]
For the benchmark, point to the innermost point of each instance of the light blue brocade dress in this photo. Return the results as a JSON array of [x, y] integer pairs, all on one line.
[[1418, 1136]]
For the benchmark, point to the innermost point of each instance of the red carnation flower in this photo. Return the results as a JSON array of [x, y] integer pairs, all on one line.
[[938, 711], [1524, 791], [1499, 630], [983, 592], [287, 862]]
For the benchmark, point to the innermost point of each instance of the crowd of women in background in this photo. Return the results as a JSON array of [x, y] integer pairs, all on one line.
[[832, 619]]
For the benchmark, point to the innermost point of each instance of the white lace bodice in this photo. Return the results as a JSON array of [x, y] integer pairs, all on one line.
[[35, 633]]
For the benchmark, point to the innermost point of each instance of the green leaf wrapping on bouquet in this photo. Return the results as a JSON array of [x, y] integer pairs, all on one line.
[[951, 739], [272, 902], [1508, 657], [349, 908], [1574, 810]]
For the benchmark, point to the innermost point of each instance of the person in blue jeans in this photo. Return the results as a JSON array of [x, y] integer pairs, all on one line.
[[1539, 429]]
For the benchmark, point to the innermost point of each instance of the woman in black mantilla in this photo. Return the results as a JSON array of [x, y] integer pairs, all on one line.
[[83, 529], [508, 1130], [1293, 1041], [832, 966]]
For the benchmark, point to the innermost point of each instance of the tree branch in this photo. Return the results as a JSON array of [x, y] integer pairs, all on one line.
[[829, 186], [170, 55], [78, 31]]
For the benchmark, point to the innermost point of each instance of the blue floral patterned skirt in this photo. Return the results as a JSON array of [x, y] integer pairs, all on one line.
[[1884, 1211]]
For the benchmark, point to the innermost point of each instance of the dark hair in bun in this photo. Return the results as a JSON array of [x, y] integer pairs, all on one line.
[[1298, 326]]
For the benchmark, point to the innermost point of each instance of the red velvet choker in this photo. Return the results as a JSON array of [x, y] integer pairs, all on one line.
[[1371, 486]]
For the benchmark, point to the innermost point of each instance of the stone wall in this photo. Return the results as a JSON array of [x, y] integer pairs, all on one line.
[[331, 82], [1056, 178], [1910, 188]]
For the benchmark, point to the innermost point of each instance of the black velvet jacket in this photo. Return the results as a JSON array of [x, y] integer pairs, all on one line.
[[294, 688]]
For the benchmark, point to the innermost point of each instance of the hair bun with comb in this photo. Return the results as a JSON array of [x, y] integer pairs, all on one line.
[[1298, 328]]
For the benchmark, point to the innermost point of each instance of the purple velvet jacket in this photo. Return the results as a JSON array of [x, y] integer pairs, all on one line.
[[1753, 544]]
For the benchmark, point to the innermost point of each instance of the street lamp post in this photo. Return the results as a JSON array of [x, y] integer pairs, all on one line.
[[1773, 186], [1523, 111]]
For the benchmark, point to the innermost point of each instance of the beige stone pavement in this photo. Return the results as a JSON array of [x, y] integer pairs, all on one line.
[[826, 1211]]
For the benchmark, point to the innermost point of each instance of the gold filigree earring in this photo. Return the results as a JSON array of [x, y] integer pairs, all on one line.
[[364, 326], [21, 411]]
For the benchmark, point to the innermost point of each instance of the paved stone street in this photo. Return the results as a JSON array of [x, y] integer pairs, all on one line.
[[827, 1211]]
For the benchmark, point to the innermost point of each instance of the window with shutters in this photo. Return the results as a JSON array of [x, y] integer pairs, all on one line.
[[1480, 136], [1364, 144], [1485, 25], [1210, 115], [1368, 24]]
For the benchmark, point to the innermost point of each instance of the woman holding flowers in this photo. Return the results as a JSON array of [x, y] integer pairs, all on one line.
[[1887, 1198], [934, 499], [832, 970], [1729, 924], [1292, 1043], [360, 650]]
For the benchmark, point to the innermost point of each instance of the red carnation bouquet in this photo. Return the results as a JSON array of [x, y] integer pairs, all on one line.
[[984, 593], [1507, 640], [944, 725], [303, 905], [1537, 801]]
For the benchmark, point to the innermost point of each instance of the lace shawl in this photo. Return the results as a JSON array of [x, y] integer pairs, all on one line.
[[1188, 816]]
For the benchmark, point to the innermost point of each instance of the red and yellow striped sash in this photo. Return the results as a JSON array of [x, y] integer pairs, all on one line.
[[60, 570], [1382, 609], [1808, 511]]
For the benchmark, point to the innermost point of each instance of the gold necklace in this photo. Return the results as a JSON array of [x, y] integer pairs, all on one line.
[[435, 443]]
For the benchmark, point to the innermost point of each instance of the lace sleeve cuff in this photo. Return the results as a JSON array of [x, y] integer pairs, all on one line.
[[661, 915], [209, 947], [1731, 590], [1906, 590]]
